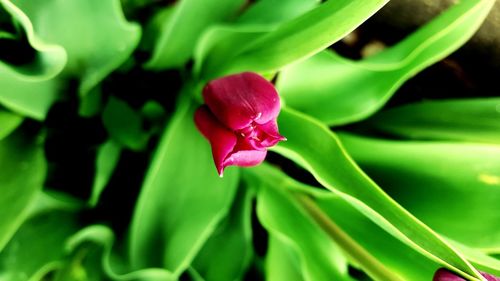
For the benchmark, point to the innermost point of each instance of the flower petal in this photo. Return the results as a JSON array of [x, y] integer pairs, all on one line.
[[245, 158], [221, 139], [240, 99], [268, 133], [445, 275]]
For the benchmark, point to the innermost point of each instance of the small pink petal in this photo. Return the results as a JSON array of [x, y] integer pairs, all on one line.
[[240, 99], [268, 133], [245, 158], [221, 139]]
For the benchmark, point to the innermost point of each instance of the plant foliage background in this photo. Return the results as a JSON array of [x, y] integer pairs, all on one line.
[[103, 175]]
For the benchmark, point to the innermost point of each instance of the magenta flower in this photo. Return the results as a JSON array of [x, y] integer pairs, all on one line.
[[239, 119], [445, 275]]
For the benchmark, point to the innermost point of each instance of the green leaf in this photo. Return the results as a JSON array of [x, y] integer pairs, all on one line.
[[91, 257], [181, 30], [39, 241], [312, 145], [282, 261], [94, 33], [22, 171], [319, 258], [182, 199], [415, 172], [272, 12], [378, 248], [474, 120], [226, 255], [346, 91], [124, 124], [295, 40], [108, 156], [49, 59], [10, 121], [30, 89]]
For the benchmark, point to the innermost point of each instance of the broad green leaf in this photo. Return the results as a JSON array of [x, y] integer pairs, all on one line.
[[30, 89], [295, 40], [479, 258], [312, 145], [226, 255], [414, 172], [181, 30], [91, 257], [182, 199], [319, 257], [94, 33], [261, 17], [108, 156], [379, 245], [39, 241], [49, 59], [9, 122], [124, 124], [474, 120], [282, 261], [339, 91], [272, 12], [22, 171]]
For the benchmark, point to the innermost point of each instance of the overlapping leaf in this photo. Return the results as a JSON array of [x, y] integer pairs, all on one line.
[[230, 244], [30, 89], [94, 33], [473, 120], [22, 171], [181, 30], [312, 145], [291, 41], [339, 91], [182, 199], [416, 172]]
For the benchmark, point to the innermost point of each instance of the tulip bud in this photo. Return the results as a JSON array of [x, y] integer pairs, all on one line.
[[239, 119]]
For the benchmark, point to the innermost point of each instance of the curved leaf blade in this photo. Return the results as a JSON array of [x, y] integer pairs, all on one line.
[[22, 171], [297, 39], [312, 145], [472, 120], [161, 224], [346, 91]]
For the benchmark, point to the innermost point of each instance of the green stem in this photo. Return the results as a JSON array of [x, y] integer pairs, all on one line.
[[356, 252]]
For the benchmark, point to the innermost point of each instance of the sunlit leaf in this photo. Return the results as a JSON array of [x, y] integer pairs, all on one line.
[[230, 244], [182, 29], [319, 258], [416, 172], [315, 147], [182, 199], [474, 120], [91, 258], [94, 33], [294, 40], [30, 89], [339, 91]]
